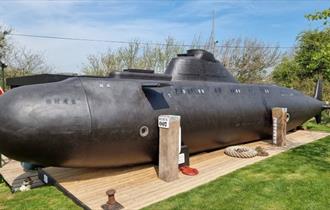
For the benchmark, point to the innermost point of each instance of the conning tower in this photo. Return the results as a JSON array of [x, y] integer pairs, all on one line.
[[199, 65]]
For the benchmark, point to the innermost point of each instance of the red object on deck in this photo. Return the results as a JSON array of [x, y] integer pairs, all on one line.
[[1, 91], [186, 170]]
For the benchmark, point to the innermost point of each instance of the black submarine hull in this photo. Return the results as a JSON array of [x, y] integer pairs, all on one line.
[[97, 122]]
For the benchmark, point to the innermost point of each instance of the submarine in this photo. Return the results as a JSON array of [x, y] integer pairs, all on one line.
[[84, 121]]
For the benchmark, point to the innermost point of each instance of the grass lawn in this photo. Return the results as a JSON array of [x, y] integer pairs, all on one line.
[[310, 125], [324, 126], [41, 198], [297, 179]]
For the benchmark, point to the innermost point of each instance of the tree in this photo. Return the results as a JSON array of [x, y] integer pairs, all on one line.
[[134, 55], [20, 61], [4, 45], [247, 59], [4, 48], [320, 15], [310, 60], [102, 65], [286, 72], [313, 54]]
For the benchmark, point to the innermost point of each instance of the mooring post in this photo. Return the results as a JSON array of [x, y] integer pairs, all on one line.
[[111, 204], [111, 196], [279, 125], [169, 143]]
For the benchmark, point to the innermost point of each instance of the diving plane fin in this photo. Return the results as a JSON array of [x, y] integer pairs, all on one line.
[[318, 95], [318, 90]]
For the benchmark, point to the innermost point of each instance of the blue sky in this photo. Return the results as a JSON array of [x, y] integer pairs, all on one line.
[[272, 21]]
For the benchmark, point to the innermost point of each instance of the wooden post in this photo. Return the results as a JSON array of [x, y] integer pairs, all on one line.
[[279, 126], [169, 140]]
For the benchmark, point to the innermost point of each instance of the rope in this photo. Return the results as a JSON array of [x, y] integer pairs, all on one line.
[[240, 152]]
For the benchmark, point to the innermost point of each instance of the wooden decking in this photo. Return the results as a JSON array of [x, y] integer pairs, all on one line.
[[14, 175], [138, 187]]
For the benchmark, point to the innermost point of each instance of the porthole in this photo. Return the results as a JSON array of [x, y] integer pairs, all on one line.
[[287, 117], [217, 90], [144, 131], [178, 91]]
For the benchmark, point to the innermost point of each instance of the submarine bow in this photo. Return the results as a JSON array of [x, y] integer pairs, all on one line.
[[44, 123]]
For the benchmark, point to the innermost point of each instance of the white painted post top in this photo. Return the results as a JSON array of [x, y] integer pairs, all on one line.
[[165, 120]]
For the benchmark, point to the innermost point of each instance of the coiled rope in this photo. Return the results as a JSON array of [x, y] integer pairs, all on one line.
[[240, 152]]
